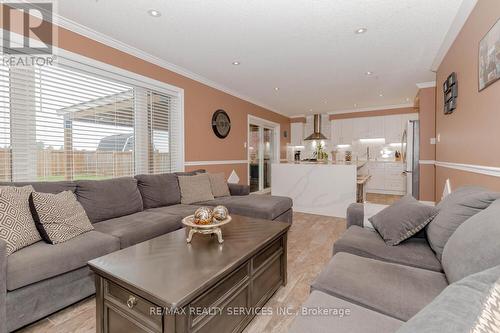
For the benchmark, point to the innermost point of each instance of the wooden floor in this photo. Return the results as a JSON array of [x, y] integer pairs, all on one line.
[[310, 243]]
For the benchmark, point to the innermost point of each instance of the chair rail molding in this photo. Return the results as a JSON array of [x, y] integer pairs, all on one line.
[[480, 169], [220, 162]]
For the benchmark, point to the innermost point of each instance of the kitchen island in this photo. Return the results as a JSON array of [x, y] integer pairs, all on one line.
[[316, 188]]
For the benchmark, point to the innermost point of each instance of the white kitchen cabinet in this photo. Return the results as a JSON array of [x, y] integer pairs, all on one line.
[[335, 132], [346, 137], [325, 126], [393, 129], [376, 127], [309, 126], [297, 134], [376, 171], [386, 178], [361, 128]]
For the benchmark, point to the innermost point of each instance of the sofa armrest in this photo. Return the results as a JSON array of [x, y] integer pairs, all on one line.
[[3, 286], [237, 189], [355, 215]]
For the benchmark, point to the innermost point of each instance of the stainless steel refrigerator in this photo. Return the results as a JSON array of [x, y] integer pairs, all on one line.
[[411, 156]]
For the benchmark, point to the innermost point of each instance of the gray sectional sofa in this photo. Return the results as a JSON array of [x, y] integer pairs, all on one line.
[[411, 287], [42, 278]]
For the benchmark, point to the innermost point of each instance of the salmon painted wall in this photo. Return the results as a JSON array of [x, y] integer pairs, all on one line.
[[426, 104], [200, 101], [471, 135]]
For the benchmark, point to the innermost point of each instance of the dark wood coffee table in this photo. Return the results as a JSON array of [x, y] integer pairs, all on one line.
[[167, 285]]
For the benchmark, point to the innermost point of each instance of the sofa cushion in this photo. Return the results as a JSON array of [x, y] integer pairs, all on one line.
[[58, 217], [395, 290], [402, 219], [159, 190], [139, 227], [474, 246], [343, 317], [454, 209], [17, 227], [195, 188], [456, 309], [179, 210], [266, 207], [42, 261], [106, 199], [218, 185], [46, 187], [368, 243]]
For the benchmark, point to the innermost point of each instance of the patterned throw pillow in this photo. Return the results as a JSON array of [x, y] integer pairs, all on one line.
[[58, 217], [489, 318], [17, 227]]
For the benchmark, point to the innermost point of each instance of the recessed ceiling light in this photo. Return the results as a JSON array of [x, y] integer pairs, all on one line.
[[381, 95], [236, 63], [276, 88], [368, 73], [154, 13], [310, 110], [360, 31]]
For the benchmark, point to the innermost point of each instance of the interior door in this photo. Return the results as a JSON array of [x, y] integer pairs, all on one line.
[[261, 152], [254, 157]]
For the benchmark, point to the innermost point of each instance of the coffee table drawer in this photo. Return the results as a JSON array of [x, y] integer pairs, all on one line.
[[268, 252], [220, 292], [133, 305], [267, 281], [117, 321]]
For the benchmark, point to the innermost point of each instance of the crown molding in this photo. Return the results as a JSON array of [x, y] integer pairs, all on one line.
[[429, 84], [121, 46], [374, 108], [456, 26]]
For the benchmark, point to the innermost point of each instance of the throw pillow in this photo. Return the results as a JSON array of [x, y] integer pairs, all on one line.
[[17, 227], [456, 308], [195, 188], [473, 247], [489, 318], [454, 210], [219, 185], [402, 220], [59, 217]]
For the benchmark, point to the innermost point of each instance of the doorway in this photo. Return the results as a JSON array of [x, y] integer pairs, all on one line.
[[263, 151]]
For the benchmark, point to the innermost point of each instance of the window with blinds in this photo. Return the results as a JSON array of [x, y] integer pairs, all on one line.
[[60, 123]]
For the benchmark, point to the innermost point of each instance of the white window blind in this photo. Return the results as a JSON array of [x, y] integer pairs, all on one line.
[[61, 123]]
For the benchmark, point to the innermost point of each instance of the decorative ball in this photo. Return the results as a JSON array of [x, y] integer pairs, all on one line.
[[203, 215], [220, 213]]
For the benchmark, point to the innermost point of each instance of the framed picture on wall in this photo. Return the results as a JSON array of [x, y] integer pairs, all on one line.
[[489, 57]]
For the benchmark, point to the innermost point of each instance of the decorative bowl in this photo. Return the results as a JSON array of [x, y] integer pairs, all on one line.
[[189, 222]]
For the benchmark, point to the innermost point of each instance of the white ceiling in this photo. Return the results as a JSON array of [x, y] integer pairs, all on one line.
[[307, 48]]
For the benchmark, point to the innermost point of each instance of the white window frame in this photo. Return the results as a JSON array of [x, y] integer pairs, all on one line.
[[78, 61], [104, 70]]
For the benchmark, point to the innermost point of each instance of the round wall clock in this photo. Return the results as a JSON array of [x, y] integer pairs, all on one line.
[[221, 124]]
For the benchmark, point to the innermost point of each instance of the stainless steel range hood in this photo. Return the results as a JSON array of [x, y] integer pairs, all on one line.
[[317, 135]]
